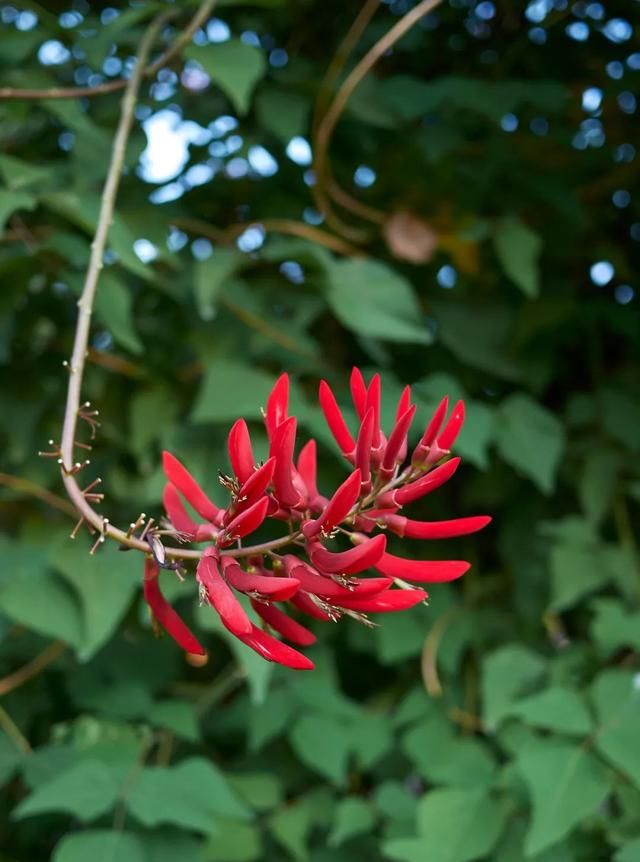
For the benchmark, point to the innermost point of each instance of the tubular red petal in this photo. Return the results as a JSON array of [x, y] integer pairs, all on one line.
[[282, 447], [447, 437], [178, 475], [240, 451], [373, 403], [278, 589], [177, 513], [358, 392], [397, 440], [422, 571], [436, 529], [348, 562], [246, 522], [306, 604], [404, 403], [283, 624], [431, 431], [165, 614], [256, 485], [277, 405], [387, 602], [423, 486], [220, 595], [337, 508], [363, 446], [335, 419], [274, 650], [307, 468], [313, 582]]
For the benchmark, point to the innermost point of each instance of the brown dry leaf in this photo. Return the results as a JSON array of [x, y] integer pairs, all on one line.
[[409, 237]]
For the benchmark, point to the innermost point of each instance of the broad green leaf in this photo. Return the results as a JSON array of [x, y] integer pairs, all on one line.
[[269, 718], [613, 627], [235, 841], [444, 757], [189, 795], [233, 66], [100, 845], [284, 113], [353, 816], [620, 416], [19, 174], [231, 389], [518, 249], [292, 824], [11, 201], [577, 569], [321, 743], [371, 739], [566, 784], [598, 482], [616, 697], [454, 825], [210, 276], [47, 605], [507, 674], [555, 708], [86, 790], [177, 716], [628, 852], [260, 790], [531, 439], [372, 299], [105, 584], [114, 309]]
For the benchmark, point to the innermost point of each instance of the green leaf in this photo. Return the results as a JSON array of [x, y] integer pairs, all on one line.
[[86, 790], [577, 569], [210, 276], [292, 825], [321, 743], [284, 113], [373, 300], [628, 852], [443, 757], [189, 795], [10, 202], [555, 708], [234, 842], [530, 439], [518, 249], [18, 174], [616, 697], [105, 584], [46, 605], [453, 825], [114, 309], [566, 784], [598, 482], [353, 816], [506, 675], [260, 790], [613, 627], [231, 389], [177, 716], [234, 66], [100, 845]]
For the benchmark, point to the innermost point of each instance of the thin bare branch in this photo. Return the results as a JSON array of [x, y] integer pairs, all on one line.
[[32, 668], [25, 486]]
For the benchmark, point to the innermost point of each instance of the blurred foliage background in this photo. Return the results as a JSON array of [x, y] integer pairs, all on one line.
[[474, 230]]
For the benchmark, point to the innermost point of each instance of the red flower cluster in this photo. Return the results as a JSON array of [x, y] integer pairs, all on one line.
[[324, 584]]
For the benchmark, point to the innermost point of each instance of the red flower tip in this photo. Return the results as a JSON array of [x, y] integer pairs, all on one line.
[[164, 614], [373, 403], [283, 624], [421, 571], [179, 476], [337, 508], [307, 470], [397, 441], [421, 487], [177, 513], [363, 446], [384, 603], [335, 419], [282, 447], [274, 650], [277, 589], [246, 522], [219, 594], [240, 451], [358, 392], [409, 529], [447, 437], [348, 562], [252, 489], [277, 405], [429, 436]]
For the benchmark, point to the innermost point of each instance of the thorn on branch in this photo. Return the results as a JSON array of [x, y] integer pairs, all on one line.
[[101, 538], [55, 452], [91, 496]]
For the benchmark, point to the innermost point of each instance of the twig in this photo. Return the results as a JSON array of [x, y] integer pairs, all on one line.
[[27, 487], [428, 660], [32, 668], [341, 99], [120, 83], [13, 732]]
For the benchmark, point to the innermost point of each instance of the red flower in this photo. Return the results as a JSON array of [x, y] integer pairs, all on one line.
[[329, 582]]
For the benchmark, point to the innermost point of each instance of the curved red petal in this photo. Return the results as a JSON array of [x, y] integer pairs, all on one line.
[[436, 529], [335, 419], [431, 430], [165, 614], [277, 405], [425, 485], [278, 589], [348, 562], [246, 522], [422, 571], [221, 596], [306, 604], [255, 486], [282, 447], [177, 513], [447, 437], [397, 440], [387, 602], [179, 476], [307, 468], [272, 649], [283, 624], [337, 508], [358, 392], [363, 446], [240, 451], [374, 395]]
